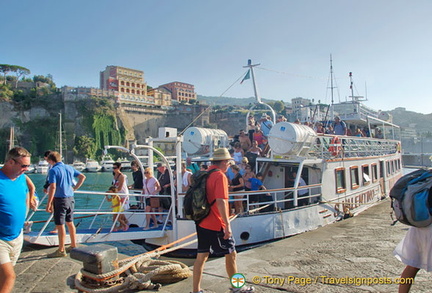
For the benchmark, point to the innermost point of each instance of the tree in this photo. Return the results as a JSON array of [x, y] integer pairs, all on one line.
[[5, 69], [6, 94], [85, 147], [278, 106], [19, 71]]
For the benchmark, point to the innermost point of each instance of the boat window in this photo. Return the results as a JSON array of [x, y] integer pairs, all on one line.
[[366, 174], [340, 180], [388, 167], [374, 172], [354, 177]]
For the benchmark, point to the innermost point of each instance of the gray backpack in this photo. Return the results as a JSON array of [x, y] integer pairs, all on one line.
[[412, 200]]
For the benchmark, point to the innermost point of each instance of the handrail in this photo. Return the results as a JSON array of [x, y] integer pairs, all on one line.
[[95, 212], [314, 191]]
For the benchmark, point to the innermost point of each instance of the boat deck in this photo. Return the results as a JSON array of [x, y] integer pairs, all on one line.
[[97, 235]]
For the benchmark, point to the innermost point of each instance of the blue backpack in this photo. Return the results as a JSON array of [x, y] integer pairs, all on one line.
[[411, 199]]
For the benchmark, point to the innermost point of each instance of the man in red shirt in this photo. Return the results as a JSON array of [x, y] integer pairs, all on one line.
[[214, 232]]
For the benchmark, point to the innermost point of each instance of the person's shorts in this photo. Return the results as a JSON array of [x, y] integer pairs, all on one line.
[[10, 250], [214, 242], [63, 209]]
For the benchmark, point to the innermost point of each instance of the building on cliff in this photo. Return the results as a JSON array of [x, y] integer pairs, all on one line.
[[129, 83], [180, 91]]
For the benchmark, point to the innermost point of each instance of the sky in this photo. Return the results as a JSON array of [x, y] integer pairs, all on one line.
[[386, 44]]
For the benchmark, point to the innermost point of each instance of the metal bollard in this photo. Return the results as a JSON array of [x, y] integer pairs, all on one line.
[[97, 259]]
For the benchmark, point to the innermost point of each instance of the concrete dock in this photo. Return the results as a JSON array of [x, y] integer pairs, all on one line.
[[353, 255]]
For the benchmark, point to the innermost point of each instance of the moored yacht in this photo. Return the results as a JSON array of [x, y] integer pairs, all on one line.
[[92, 166], [78, 165], [42, 167], [107, 163]]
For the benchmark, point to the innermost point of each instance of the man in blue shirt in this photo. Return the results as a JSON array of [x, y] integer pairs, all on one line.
[[339, 126], [13, 204], [61, 200], [266, 124]]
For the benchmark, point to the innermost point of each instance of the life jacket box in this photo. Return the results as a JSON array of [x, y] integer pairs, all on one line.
[[97, 259]]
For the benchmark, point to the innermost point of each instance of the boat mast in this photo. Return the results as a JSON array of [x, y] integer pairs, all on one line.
[[331, 79], [257, 97], [251, 68], [60, 136], [332, 87], [11, 137], [351, 86]]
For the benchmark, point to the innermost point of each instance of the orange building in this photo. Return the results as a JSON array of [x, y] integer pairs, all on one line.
[[129, 83], [180, 91], [161, 96]]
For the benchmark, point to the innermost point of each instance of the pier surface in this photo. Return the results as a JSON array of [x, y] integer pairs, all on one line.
[[353, 255]]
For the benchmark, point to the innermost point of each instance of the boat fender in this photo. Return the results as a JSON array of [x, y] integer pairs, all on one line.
[[335, 146]]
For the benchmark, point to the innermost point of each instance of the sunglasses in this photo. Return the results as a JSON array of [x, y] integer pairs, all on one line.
[[115, 167], [22, 166], [146, 172]]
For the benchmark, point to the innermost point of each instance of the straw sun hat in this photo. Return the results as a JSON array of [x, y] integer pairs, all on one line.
[[221, 154]]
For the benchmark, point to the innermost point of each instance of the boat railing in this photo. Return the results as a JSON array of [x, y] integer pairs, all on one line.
[[342, 146], [274, 200], [99, 215]]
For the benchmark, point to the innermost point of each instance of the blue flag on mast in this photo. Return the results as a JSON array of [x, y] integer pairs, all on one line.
[[247, 76]]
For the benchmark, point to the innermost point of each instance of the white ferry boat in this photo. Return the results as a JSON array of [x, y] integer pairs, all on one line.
[[343, 175], [42, 167], [92, 166], [107, 163]]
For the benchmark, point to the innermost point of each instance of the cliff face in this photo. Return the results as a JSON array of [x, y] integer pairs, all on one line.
[[37, 128]]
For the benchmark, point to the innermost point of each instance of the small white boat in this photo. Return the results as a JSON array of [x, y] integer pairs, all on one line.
[[42, 167], [107, 163], [78, 165], [92, 166]]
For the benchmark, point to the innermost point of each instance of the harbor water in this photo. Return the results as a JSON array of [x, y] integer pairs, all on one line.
[[99, 182]]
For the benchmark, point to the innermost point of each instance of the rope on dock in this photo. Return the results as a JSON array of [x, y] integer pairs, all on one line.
[[142, 274], [139, 272]]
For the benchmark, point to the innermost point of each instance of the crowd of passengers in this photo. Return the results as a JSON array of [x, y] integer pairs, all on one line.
[[339, 127], [253, 140]]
